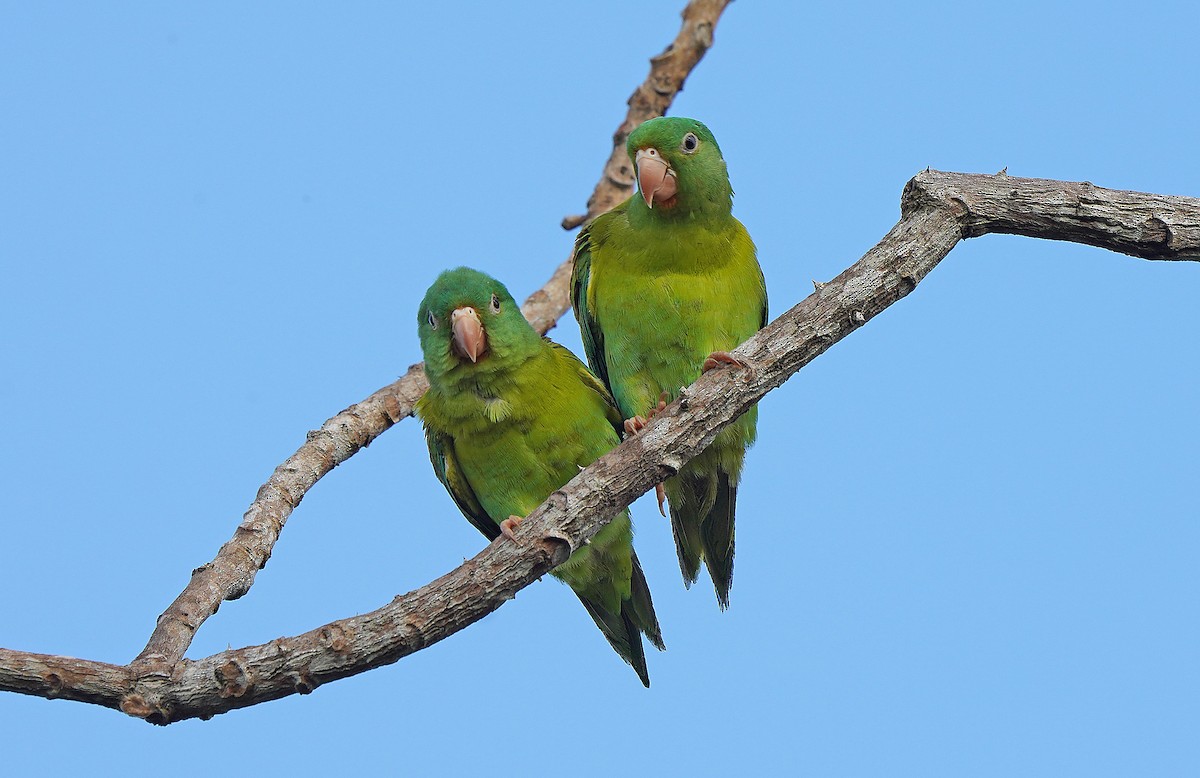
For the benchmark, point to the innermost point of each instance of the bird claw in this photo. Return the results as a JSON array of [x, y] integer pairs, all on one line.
[[634, 426], [508, 525], [638, 423], [722, 359]]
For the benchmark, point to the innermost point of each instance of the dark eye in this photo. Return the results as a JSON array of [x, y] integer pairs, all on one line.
[[432, 321], [690, 142], [495, 304]]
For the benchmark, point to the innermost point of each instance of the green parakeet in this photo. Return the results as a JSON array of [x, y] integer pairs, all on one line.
[[663, 286], [510, 417]]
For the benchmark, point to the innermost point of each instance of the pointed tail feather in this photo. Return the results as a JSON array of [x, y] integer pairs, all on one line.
[[702, 521], [687, 497], [622, 634], [716, 534], [641, 607]]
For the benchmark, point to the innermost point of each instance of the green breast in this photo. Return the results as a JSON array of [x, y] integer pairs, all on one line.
[[525, 436], [666, 301]]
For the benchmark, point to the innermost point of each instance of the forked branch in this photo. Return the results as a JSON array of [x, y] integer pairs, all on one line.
[[232, 573], [938, 209]]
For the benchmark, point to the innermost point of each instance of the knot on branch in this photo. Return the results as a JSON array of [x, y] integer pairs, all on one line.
[[136, 705], [1156, 232], [233, 679], [302, 682], [54, 685], [391, 407], [335, 638], [557, 548], [702, 36], [920, 193], [239, 587]]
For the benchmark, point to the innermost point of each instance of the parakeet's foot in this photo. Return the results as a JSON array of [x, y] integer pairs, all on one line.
[[721, 359], [637, 423], [508, 525], [634, 426]]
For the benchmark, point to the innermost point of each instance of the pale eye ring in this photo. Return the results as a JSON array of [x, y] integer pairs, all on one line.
[[433, 322], [495, 303], [690, 143]]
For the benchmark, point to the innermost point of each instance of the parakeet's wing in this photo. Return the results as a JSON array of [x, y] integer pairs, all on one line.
[[593, 338], [445, 466], [763, 316], [591, 382]]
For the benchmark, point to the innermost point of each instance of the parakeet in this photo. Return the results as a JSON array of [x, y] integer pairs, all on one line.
[[510, 417], [663, 286]]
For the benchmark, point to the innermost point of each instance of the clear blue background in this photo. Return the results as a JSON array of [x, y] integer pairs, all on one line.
[[968, 535]]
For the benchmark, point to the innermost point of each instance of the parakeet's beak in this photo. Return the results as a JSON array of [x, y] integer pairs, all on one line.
[[470, 340], [656, 179]]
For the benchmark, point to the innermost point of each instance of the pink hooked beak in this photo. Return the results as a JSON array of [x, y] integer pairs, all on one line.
[[656, 179], [469, 338]]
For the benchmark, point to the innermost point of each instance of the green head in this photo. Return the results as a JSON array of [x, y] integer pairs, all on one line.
[[470, 325], [680, 169]]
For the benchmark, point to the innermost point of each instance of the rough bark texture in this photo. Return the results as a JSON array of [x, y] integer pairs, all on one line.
[[1142, 225], [938, 209]]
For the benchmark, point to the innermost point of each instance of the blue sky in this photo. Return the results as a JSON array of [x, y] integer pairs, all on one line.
[[968, 534]]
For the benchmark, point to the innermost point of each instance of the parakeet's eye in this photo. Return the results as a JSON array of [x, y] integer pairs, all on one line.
[[432, 321], [495, 304], [690, 142]]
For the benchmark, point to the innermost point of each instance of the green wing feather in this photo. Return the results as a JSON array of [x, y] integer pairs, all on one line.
[[588, 378], [763, 316], [593, 337], [445, 467]]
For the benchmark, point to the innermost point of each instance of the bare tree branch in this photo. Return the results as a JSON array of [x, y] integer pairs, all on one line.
[[1142, 225], [62, 677], [231, 574], [938, 209]]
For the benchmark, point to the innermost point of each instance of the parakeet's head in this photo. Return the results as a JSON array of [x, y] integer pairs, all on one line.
[[470, 323], [679, 165]]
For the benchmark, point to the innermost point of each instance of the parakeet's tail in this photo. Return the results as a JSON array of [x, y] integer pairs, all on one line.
[[702, 520], [716, 533], [686, 495], [620, 606], [641, 607], [622, 633]]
